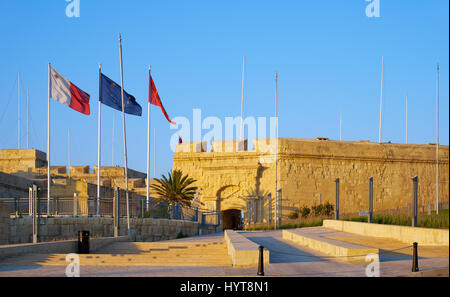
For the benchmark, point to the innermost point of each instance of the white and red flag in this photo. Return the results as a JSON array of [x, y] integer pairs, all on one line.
[[62, 90]]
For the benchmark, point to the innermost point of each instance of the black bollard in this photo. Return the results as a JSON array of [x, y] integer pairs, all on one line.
[[415, 263], [83, 242], [261, 261]]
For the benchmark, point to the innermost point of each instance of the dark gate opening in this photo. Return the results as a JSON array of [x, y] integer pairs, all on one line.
[[231, 219]]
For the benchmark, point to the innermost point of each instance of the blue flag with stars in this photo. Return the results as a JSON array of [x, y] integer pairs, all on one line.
[[110, 94]]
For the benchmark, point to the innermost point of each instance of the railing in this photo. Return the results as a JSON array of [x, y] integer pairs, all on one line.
[[84, 206]]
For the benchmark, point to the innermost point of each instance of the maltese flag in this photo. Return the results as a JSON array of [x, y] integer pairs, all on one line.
[[62, 90]]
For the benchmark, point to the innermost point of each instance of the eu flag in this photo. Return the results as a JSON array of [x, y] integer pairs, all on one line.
[[110, 94]]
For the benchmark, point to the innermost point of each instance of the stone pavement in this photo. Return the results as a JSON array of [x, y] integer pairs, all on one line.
[[286, 258]]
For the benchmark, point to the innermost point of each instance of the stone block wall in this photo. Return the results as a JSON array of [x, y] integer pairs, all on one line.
[[4, 223], [65, 228], [307, 170]]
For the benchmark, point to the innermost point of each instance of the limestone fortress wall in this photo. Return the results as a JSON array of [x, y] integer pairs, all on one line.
[[308, 168], [20, 168]]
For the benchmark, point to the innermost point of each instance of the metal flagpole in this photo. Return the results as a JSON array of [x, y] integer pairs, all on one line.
[[18, 113], [381, 97], [242, 101], [154, 152], [68, 148], [340, 125], [124, 136], [28, 118], [276, 150], [148, 135], [48, 143], [99, 138], [437, 140], [406, 117], [112, 144]]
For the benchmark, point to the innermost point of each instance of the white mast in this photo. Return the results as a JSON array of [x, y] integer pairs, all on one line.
[[124, 136], [18, 113], [340, 125], [381, 97], [48, 143], [241, 136], [68, 148], [276, 150], [148, 136], [28, 118], [154, 151], [99, 141], [112, 144], [437, 140], [406, 117]]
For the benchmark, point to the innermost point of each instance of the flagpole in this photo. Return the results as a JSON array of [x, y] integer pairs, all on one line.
[[276, 150], [124, 136], [148, 134], [112, 144], [406, 117], [99, 139], [28, 118], [437, 140], [68, 148], [381, 97], [242, 101], [340, 126], [18, 113], [48, 143], [154, 152]]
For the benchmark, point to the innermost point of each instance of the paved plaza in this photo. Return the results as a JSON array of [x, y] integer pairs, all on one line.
[[207, 256]]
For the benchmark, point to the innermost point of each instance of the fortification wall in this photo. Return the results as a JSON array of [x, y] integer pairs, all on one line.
[[307, 170], [64, 228], [15, 160]]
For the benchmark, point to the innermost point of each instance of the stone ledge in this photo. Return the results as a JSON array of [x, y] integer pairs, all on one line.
[[423, 236], [314, 238], [243, 251]]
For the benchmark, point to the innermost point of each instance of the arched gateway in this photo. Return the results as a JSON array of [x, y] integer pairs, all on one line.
[[231, 205]]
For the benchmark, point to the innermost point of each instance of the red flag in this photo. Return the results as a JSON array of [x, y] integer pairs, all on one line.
[[180, 141], [154, 99]]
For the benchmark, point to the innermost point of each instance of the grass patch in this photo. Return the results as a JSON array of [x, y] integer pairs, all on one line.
[[314, 222], [440, 221]]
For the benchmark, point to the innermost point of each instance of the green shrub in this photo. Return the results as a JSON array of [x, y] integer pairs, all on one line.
[[305, 211], [293, 215]]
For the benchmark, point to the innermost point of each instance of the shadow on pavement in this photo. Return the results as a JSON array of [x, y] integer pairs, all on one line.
[[281, 252]]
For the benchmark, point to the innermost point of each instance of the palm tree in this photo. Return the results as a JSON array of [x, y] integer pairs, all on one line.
[[175, 188]]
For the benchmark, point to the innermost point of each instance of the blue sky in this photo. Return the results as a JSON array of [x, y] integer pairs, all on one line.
[[327, 54]]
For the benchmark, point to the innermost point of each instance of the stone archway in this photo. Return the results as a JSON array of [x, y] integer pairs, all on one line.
[[231, 205], [231, 219]]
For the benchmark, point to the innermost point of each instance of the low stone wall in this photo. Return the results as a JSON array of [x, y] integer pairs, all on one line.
[[423, 236], [4, 223], [60, 247], [66, 228], [243, 252]]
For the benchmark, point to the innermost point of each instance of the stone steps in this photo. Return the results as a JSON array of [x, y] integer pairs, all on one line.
[[140, 254]]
